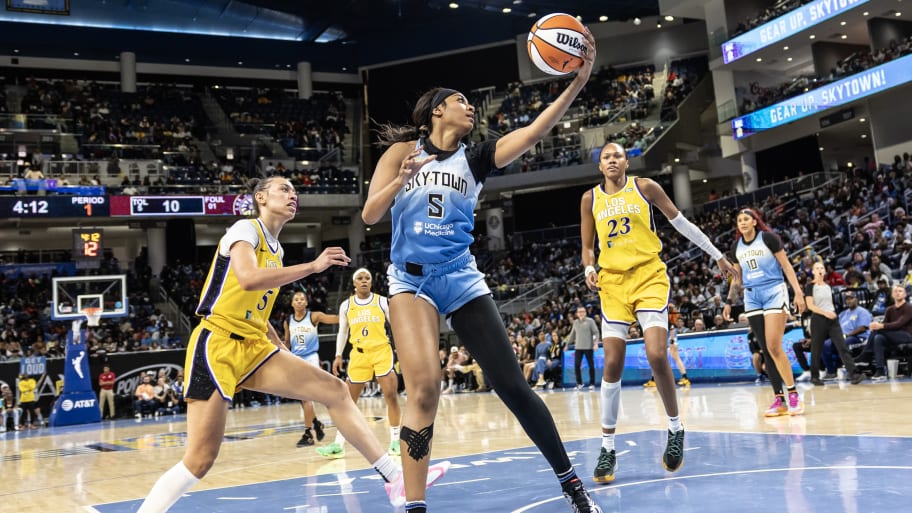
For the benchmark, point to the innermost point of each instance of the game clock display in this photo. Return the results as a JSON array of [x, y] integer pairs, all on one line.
[[88, 243], [54, 206]]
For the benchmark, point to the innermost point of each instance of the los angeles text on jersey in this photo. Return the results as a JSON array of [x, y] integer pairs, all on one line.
[[617, 207], [444, 179], [364, 316]]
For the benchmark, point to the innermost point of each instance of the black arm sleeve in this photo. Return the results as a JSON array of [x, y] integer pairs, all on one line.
[[481, 159]]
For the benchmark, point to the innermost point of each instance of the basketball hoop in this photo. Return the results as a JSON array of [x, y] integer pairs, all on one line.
[[93, 315]]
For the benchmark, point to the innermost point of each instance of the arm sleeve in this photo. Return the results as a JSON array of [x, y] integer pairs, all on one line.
[[241, 230], [342, 336], [695, 234], [733, 255]]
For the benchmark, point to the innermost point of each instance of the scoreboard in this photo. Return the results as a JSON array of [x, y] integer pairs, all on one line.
[[88, 244], [54, 206]]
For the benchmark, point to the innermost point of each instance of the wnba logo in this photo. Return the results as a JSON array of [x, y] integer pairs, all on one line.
[[567, 40]]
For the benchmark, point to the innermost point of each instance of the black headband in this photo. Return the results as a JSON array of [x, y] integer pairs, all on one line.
[[441, 95]]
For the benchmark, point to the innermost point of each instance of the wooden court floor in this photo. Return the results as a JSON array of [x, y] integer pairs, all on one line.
[[78, 467]]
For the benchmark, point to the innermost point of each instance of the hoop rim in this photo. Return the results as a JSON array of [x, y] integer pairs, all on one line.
[[92, 314]]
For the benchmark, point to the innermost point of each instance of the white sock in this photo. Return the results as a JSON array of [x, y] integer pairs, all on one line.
[[610, 395], [608, 441], [340, 439], [674, 424], [387, 468], [169, 487], [394, 433]]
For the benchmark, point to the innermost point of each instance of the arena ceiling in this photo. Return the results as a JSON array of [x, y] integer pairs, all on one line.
[[334, 35]]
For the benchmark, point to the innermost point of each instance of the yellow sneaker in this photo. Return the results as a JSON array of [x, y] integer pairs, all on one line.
[[650, 384], [684, 382]]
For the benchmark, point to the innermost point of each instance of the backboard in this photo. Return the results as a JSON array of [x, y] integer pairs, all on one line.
[[73, 294]]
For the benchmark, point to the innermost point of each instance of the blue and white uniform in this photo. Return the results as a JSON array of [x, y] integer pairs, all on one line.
[[433, 218], [305, 342], [765, 291]]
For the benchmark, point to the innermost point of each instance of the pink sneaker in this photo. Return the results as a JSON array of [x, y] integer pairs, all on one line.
[[795, 407], [777, 408], [396, 489]]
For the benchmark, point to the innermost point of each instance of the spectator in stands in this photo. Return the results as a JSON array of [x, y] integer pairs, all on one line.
[[9, 407], [106, 391], [144, 398], [895, 330]]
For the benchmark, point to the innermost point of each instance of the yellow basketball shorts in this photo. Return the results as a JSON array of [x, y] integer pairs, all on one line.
[[220, 360], [641, 292], [364, 364]]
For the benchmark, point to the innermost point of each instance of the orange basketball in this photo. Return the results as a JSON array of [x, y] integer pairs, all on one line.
[[557, 43]]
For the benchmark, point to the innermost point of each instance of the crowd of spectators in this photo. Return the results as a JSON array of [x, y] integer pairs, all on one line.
[[164, 115], [683, 76], [757, 96], [307, 128], [778, 8]]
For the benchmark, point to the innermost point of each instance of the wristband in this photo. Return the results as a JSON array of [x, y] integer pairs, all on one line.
[[589, 269]]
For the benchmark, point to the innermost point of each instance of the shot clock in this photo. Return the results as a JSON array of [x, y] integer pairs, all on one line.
[[88, 244]]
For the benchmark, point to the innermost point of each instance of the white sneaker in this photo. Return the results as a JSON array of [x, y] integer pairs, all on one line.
[[396, 489], [822, 374], [804, 376]]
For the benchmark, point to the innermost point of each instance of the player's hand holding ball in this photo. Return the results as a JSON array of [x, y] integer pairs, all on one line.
[[559, 44]]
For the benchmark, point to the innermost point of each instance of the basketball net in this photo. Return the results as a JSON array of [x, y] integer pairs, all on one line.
[[93, 315]]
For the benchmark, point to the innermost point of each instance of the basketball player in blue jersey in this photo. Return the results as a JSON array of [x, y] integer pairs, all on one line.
[[761, 263], [301, 339], [633, 285], [431, 181], [234, 346]]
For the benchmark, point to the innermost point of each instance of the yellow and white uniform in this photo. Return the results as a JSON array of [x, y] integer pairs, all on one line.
[[230, 342], [363, 323], [633, 283]]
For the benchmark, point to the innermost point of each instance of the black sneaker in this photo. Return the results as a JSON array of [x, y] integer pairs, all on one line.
[[318, 429], [858, 377], [306, 439], [604, 469], [817, 382], [879, 375], [674, 451], [579, 499]]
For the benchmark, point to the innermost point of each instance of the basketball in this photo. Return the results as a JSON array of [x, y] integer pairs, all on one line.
[[557, 43]]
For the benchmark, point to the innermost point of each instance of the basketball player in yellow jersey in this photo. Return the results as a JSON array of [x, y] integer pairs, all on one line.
[[633, 286], [234, 346], [362, 321]]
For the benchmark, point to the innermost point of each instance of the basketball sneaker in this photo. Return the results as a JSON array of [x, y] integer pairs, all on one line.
[[777, 408], [332, 451], [578, 497], [394, 448], [318, 430], [650, 384], [605, 467], [306, 439], [396, 489], [673, 457], [794, 404], [684, 382]]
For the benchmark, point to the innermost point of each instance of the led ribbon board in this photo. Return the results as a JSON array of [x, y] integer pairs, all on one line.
[[860, 85], [785, 26]]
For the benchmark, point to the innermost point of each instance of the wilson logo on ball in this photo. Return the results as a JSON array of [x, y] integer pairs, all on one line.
[[557, 44]]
